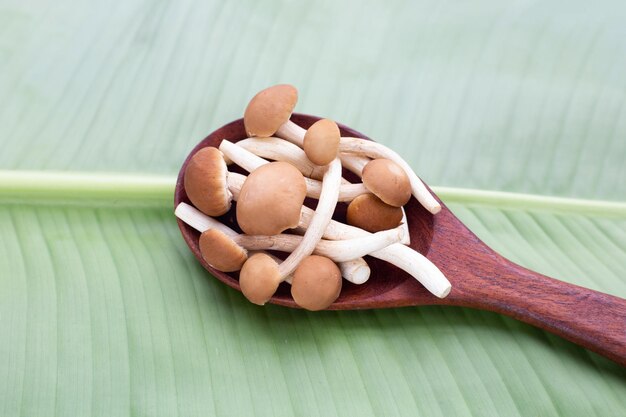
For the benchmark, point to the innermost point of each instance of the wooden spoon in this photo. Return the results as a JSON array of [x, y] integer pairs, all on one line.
[[480, 277]]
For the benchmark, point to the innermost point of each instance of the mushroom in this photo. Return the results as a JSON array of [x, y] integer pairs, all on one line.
[[205, 182], [405, 258], [319, 221], [388, 181], [270, 199], [316, 283], [295, 134], [270, 109], [250, 162], [370, 213], [321, 142], [353, 267], [259, 278], [221, 252]]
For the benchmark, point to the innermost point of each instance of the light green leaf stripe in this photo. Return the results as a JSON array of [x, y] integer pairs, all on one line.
[[506, 200], [155, 189], [106, 188]]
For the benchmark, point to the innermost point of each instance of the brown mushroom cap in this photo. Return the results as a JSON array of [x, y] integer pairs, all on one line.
[[221, 252], [269, 110], [270, 199], [205, 182], [321, 142], [316, 283], [259, 278], [370, 213], [388, 181]]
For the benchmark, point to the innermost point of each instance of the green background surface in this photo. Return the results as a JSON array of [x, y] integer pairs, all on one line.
[[103, 311]]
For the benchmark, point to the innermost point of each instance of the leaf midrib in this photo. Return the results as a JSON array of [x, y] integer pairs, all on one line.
[[132, 189]]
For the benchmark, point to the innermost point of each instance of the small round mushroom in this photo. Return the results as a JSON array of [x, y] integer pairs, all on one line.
[[316, 283], [370, 213], [321, 142], [221, 252], [269, 110], [259, 278], [388, 181], [270, 199], [206, 183]]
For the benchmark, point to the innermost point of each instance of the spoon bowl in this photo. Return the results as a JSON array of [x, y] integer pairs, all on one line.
[[480, 277]]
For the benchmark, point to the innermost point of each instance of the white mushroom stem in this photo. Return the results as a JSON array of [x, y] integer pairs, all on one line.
[[357, 271], [292, 132], [347, 192], [281, 150], [405, 258], [200, 221], [245, 159], [295, 134], [354, 269], [249, 161], [337, 250], [405, 225], [354, 163], [289, 278], [319, 221]]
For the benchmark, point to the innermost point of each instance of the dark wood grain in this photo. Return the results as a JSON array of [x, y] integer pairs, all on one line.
[[480, 277]]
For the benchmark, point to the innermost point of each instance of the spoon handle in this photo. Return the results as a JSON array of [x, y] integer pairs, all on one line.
[[592, 319]]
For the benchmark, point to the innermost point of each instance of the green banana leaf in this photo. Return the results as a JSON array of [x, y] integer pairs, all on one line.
[[507, 107]]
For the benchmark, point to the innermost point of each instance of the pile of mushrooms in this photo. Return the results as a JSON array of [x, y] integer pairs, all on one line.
[[286, 164]]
